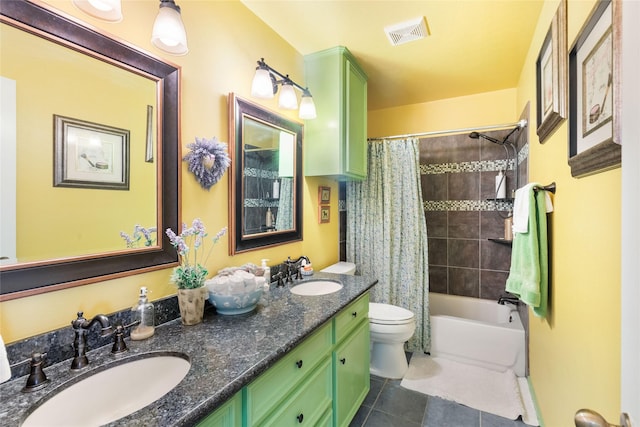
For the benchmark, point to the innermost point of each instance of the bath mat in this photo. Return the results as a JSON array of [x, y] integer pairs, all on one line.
[[495, 392]]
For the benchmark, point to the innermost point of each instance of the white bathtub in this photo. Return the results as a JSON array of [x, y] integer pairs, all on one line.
[[478, 332]]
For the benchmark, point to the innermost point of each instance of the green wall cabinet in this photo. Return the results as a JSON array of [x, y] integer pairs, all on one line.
[[321, 382], [335, 142]]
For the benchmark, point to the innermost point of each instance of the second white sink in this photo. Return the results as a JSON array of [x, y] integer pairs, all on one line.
[[105, 396], [316, 287]]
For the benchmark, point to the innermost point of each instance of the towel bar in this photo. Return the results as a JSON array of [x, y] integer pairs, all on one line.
[[551, 188]]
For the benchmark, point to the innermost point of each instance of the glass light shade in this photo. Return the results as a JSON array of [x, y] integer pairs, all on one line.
[[168, 32], [107, 10], [307, 107], [288, 99], [262, 86]]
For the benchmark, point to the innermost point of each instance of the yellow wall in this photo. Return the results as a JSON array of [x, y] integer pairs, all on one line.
[[225, 41], [575, 353], [483, 109]]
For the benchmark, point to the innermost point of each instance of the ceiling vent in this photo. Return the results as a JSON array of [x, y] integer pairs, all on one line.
[[407, 31]]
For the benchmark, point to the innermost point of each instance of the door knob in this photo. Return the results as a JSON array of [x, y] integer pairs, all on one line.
[[589, 418]]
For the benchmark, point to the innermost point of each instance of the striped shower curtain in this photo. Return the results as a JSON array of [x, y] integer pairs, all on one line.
[[387, 233]]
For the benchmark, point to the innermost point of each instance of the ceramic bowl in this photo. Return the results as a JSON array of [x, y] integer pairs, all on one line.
[[230, 305]]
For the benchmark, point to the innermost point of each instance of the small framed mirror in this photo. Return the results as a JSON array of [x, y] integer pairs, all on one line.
[[266, 177]]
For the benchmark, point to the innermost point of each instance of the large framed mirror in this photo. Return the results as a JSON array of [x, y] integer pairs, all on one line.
[[87, 110], [266, 184]]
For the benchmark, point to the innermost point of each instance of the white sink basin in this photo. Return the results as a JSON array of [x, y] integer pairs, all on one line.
[[112, 393], [316, 287]]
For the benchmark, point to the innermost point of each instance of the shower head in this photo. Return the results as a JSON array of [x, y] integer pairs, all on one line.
[[477, 135]]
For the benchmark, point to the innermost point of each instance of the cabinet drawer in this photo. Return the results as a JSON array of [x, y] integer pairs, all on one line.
[[263, 395], [309, 404], [351, 316]]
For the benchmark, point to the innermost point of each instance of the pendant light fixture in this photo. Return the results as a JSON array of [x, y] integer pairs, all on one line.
[[107, 10], [265, 85], [168, 33]]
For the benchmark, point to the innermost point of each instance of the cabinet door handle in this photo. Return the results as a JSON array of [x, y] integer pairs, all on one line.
[[300, 417], [343, 360], [354, 314], [299, 363]]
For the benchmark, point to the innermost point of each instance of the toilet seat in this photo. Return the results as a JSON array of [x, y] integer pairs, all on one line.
[[386, 314]]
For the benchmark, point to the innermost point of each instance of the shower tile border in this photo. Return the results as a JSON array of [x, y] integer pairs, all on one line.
[[466, 205]]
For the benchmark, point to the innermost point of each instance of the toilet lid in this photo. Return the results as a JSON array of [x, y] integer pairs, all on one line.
[[389, 314]]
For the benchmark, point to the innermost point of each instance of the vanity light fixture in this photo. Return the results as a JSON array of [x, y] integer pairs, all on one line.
[[265, 85], [107, 10], [168, 33]]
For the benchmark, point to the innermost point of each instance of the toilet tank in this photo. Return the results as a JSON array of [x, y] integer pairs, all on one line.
[[341, 267]]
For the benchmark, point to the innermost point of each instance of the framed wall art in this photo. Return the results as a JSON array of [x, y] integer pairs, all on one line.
[[594, 92], [90, 155], [324, 195], [551, 76], [324, 214]]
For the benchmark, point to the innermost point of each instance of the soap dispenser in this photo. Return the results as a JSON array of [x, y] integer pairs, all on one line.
[[144, 314]]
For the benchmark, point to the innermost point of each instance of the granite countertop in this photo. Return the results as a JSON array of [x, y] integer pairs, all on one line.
[[226, 353]]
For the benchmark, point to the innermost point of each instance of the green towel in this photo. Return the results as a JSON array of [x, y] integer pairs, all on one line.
[[529, 273]]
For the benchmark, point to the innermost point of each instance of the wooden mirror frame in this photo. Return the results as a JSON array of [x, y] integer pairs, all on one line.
[[22, 280], [238, 108]]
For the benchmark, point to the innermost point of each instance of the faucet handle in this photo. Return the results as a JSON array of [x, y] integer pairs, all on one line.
[[278, 277], [37, 379], [119, 346], [80, 321]]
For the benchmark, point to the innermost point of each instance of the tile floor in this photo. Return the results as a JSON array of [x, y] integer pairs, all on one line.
[[389, 405]]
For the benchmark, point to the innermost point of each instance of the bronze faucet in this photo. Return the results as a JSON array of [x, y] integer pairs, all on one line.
[[80, 327], [294, 267]]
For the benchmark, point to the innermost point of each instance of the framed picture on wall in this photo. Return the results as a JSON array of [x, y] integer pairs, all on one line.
[[594, 92], [324, 214], [324, 195], [90, 155], [551, 76]]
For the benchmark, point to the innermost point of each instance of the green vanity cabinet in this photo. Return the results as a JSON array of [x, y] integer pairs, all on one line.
[[321, 382], [281, 384], [351, 361], [335, 142], [308, 404], [228, 415]]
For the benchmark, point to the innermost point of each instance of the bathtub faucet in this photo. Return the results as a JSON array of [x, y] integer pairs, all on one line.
[[507, 298]]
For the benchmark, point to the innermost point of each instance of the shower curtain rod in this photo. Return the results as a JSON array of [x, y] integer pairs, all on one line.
[[522, 123]]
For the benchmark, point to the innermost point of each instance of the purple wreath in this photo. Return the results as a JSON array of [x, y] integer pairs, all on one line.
[[207, 160]]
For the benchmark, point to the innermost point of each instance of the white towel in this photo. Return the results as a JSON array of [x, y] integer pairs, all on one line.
[[5, 369], [521, 207]]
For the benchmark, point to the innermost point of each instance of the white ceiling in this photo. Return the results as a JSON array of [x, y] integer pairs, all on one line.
[[475, 46]]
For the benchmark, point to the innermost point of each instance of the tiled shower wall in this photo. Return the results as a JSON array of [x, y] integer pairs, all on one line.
[[458, 189]]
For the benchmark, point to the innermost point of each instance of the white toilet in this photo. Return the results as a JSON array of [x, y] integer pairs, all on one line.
[[390, 326]]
